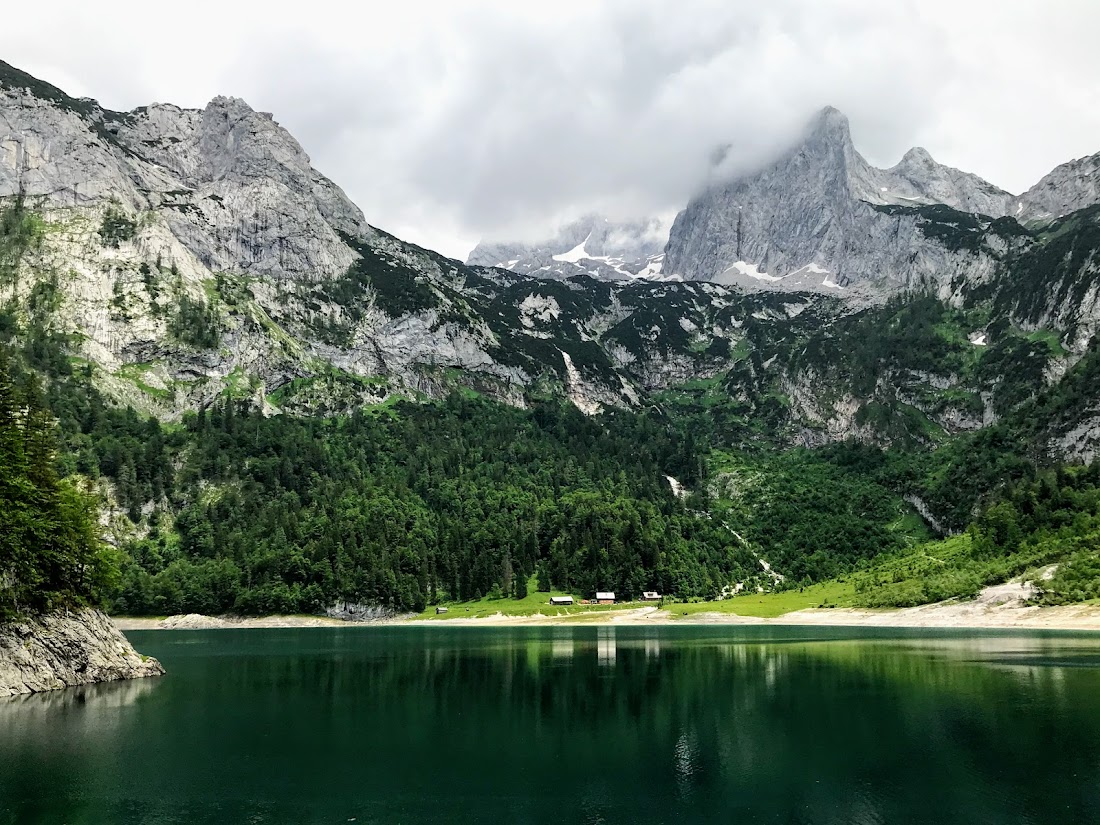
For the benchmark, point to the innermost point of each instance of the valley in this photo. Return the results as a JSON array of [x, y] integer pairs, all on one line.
[[879, 384], [603, 412]]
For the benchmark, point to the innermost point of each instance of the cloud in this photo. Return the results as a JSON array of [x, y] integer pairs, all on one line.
[[448, 121]]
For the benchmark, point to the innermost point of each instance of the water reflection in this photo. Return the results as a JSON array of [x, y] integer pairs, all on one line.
[[561, 647], [608, 724], [87, 705], [652, 648], [688, 762], [605, 646]]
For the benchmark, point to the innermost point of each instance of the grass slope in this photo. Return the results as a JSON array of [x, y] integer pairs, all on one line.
[[534, 603], [836, 593]]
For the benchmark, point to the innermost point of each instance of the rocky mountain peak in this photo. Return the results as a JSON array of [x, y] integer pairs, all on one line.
[[918, 177], [820, 212], [1069, 187], [830, 124], [827, 144], [916, 158], [226, 182]]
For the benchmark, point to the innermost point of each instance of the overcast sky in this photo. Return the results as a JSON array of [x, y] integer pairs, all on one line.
[[451, 121]]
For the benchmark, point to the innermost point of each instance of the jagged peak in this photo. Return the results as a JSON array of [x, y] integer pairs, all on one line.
[[235, 105], [918, 164], [831, 113], [830, 123], [917, 156]]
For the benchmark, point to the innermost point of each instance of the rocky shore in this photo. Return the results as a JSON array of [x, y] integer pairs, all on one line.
[[64, 649]]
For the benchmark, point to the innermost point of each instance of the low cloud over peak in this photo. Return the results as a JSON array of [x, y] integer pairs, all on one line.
[[451, 122]]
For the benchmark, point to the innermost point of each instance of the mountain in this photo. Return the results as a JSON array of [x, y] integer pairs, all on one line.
[[592, 245], [822, 218], [1070, 187], [279, 407], [180, 255], [221, 188], [195, 251]]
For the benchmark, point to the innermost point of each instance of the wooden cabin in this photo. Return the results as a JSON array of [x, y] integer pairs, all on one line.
[[605, 598], [559, 601]]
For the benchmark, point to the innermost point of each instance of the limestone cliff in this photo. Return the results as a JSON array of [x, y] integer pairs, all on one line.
[[64, 649], [1072, 186], [821, 218]]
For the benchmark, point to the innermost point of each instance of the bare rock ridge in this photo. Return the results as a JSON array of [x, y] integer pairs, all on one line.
[[1072, 186], [65, 649], [203, 246]]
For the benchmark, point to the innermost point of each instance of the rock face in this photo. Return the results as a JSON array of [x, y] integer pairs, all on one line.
[[64, 649], [591, 246], [195, 251], [354, 612], [234, 187], [191, 254], [824, 215], [1071, 186]]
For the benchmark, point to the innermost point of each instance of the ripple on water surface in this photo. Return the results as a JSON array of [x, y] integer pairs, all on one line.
[[590, 724]]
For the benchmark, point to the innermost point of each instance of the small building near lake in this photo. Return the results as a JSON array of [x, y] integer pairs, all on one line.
[[605, 598], [439, 610], [651, 596], [559, 601]]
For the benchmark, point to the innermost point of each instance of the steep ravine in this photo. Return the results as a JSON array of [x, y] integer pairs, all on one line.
[[64, 649]]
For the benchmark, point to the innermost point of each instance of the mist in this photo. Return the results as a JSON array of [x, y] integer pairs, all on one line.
[[452, 122]]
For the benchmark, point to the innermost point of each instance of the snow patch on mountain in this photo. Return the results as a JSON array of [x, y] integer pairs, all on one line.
[[576, 254], [747, 269], [592, 245], [653, 267]]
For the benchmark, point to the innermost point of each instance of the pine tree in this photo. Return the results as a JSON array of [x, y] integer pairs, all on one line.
[[50, 551]]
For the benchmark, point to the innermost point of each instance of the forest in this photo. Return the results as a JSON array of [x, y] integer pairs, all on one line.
[[403, 504], [425, 503], [410, 504], [397, 506], [51, 554]]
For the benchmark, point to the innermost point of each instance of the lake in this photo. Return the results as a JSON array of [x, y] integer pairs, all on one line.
[[583, 724]]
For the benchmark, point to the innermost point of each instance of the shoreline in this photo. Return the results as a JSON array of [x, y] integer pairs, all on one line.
[[974, 615]]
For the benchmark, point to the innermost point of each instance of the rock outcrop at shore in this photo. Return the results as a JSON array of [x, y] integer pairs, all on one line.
[[354, 612], [67, 648]]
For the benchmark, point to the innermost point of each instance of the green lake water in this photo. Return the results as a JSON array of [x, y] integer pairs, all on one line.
[[564, 724]]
